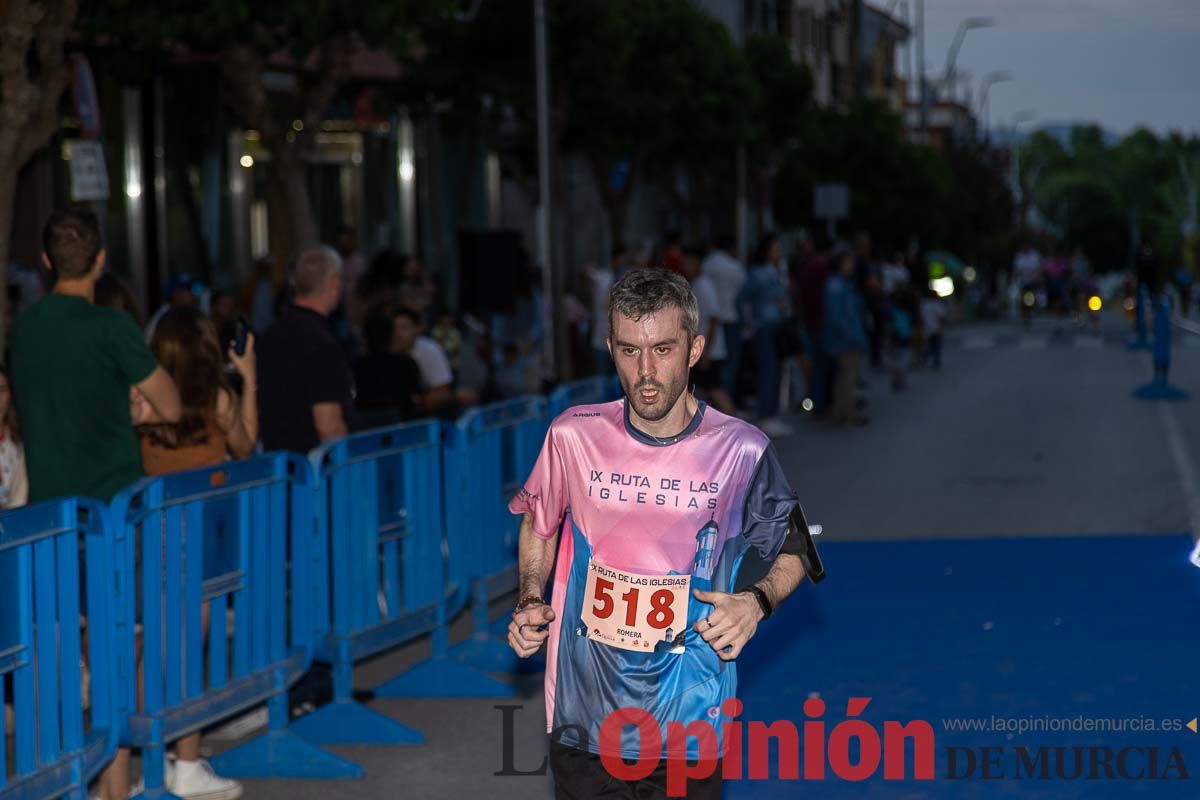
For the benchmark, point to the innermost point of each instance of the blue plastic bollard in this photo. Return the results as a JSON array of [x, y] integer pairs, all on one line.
[[1139, 340], [1159, 388]]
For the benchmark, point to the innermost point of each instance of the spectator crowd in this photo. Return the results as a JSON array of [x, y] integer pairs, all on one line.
[[91, 400]]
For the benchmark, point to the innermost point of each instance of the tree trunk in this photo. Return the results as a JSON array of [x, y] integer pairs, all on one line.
[[28, 102], [8, 191], [289, 172], [242, 67]]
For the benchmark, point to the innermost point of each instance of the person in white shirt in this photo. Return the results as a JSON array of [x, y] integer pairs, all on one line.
[[933, 320], [727, 275], [707, 374], [894, 275]]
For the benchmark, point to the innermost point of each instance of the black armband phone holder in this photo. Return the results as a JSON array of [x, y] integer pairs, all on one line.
[[799, 542]]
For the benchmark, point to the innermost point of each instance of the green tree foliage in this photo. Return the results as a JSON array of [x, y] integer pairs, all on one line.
[[897, 189], [1105, 196], [783, 112], [639, 89], [658, 87]]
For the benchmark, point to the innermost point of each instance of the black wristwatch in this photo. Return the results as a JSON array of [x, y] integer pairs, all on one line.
[[763, 602]]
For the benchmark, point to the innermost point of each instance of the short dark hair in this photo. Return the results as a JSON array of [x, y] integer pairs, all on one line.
[[72, 242], [725, 241], [647, 291]]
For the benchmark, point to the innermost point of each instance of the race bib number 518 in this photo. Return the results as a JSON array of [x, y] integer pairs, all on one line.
[[646, 613]]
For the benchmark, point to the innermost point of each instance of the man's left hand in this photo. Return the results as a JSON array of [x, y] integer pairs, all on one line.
[[730, 624]]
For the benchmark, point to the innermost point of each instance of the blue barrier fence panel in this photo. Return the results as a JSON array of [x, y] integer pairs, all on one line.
[[219, 553], [48, 552], [488, 456], [379, 507]]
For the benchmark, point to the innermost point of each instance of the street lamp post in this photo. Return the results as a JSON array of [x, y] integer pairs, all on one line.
[[990, 80], [922, 96], [550, 284], [1014, 162], [968, 24]]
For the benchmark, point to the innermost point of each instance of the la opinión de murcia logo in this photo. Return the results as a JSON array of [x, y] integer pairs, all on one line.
[[748, 745]]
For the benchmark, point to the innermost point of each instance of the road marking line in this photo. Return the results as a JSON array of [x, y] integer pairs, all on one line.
[[1185, 468], [979, 342], [1185, 324]]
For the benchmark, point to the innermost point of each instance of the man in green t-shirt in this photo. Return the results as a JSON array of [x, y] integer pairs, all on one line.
[[82, 375]]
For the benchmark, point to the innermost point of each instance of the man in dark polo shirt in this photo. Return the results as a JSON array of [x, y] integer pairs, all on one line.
[[304, 380], [82, 375]]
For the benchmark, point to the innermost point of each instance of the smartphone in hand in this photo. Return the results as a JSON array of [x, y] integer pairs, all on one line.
[[241, 334]]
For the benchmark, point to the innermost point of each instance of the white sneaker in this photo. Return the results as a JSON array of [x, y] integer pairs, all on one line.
[[195, 780], [776, 428]]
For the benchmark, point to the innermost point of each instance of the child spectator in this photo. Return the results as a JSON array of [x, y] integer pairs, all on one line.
[[14, 486]]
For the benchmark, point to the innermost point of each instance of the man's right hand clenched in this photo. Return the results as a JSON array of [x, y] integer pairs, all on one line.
[[529, 629]]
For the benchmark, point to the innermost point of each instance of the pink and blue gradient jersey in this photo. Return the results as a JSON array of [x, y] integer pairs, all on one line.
[[692, 504]]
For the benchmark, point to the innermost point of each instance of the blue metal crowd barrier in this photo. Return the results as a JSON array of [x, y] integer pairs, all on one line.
[[488, 453], [379, 512], [224, 552], [597, 389], [378, 539], [48, 553]]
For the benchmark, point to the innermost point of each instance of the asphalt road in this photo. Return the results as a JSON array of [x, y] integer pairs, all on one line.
[[1023, 433]]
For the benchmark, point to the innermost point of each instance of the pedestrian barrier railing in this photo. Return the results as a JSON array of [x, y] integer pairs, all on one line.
[[210, 592], [379, 516], [589, 390], [1160, 387], [488, 453], [223, 554], [55, 623]]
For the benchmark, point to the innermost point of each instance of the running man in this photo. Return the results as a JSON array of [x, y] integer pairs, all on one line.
[[665, 497]]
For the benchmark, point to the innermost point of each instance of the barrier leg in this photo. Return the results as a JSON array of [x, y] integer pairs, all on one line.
[[154, 777], [280, 753], [442, 676], [1159, 387], [346, 721], [486, 651]]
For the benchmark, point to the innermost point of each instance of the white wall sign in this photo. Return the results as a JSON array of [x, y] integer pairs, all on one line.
[[89, 176]]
